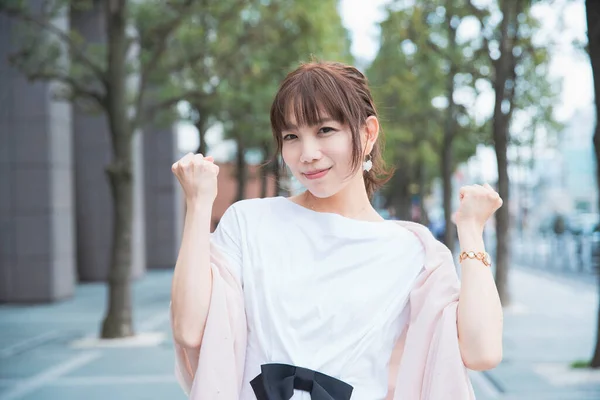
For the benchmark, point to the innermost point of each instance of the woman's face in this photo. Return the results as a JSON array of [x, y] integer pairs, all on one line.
[[320, 156]]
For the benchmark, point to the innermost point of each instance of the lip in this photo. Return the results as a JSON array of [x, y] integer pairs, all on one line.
[[316, 174]]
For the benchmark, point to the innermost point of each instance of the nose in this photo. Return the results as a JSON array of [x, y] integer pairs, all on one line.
[[310, 151]]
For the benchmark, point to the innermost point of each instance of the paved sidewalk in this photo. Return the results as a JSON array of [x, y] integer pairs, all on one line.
[[550, 325], [38, 359]]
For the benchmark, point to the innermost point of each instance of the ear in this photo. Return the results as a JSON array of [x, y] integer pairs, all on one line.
[[371, 132]]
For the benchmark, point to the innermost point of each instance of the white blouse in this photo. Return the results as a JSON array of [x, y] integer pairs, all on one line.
[[321, 291]]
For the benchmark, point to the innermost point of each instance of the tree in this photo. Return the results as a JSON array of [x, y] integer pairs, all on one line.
[[593, 32], [100, 76], [514, 61], [246, 89], [214, 34], [460, 63], [232, 82], [403, 84], [421, 62]]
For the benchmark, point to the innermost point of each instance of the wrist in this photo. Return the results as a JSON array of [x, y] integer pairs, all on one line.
[[470, 237], [469, 228], [199, 205]]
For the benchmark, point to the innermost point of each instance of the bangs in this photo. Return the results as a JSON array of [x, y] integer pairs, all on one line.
[[306, 100]]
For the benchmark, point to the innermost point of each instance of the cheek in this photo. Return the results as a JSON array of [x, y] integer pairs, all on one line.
[[287, 153], [340, 149]]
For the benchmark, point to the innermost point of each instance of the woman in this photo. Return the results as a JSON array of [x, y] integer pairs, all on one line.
[[316, 296]]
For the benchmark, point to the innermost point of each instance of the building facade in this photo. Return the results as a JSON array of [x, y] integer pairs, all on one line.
[[55, 203]]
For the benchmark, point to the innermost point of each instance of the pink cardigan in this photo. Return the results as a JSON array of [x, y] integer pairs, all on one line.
[[426, 363]]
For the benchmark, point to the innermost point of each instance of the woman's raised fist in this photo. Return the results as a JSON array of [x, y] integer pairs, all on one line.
[[198, 177]]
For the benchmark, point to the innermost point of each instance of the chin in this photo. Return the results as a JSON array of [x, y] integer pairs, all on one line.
[[321, 193], [323, 190]]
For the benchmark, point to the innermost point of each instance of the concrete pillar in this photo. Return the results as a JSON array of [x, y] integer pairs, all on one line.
[[37, 235], [162, 198], [93, 153]]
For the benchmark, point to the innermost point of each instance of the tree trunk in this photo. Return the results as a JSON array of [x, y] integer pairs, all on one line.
[[402, 198], [593, 26], [505, 70], [447, 192], [241, 170], [447, 163], [502, 215], [421, 191], [201, 126], [264, 171], [118, 321]]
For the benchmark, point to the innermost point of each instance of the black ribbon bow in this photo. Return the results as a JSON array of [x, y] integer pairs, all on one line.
[[278, 381]]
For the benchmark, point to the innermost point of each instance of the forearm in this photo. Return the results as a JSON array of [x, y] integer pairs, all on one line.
[[480, 318], [192, 279]]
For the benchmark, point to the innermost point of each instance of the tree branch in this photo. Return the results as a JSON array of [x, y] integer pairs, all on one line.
[[77, 90], [242, 41], [480, 14], [190, 96], [162, 33], [76, 51]]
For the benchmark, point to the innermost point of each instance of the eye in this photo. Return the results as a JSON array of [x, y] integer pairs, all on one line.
[[326, 129], [289, 137]]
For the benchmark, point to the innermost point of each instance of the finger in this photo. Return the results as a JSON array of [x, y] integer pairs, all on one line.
[[194, 160], [491, 190], [186, 160], [177, 164], [209, 158], [479, 188], [464, 191]]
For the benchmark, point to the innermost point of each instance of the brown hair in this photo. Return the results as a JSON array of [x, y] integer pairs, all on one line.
[[341, 92]]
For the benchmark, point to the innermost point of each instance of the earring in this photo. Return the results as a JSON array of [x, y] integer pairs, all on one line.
[[368, 164]]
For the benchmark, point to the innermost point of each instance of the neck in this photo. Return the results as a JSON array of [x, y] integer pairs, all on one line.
[[350, 202]]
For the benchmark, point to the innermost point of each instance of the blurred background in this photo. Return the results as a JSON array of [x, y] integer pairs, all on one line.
[[99, 98]]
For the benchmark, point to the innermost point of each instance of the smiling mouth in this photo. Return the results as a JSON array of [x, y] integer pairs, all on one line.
[[317, 174]]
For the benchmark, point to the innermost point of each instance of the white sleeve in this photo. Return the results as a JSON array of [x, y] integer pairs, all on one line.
[[227, 239]]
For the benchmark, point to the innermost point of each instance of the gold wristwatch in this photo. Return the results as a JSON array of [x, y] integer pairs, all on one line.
[[481, 256]]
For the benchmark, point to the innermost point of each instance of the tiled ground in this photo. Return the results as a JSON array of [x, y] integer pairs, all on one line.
[[550, 324]]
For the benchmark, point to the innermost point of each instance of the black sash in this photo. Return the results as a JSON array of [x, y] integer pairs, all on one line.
[[278, 381]]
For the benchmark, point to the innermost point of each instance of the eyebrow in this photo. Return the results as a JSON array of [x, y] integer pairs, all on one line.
[[318, 122]]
